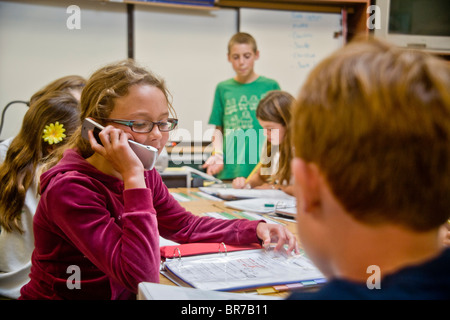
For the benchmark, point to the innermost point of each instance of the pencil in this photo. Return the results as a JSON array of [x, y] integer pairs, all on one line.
[[256, 168]]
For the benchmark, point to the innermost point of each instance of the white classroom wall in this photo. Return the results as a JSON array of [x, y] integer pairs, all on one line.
[[186, 47], [36, 47]]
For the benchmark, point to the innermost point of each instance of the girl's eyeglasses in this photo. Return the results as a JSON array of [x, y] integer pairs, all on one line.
[[144, 126]]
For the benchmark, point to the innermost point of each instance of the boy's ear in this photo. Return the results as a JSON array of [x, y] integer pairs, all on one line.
[[257, 55], [307, 180]]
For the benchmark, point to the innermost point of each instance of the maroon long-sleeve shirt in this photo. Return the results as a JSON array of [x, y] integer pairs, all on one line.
[[88, 228]]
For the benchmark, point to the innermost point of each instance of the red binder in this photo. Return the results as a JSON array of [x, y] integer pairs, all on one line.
[[191, 249]]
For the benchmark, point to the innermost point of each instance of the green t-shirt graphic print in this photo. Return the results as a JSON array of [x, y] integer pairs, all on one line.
[[234, 110]]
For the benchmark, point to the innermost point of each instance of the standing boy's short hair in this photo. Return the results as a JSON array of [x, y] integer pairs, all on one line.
[[376, 120], [242, 38]]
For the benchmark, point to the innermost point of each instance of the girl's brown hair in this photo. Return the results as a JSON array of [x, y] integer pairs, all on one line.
[[276, 107], [68, 84], [28, 149], [97, 99]]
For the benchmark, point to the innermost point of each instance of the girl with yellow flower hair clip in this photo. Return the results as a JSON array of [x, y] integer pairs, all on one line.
[[51, 119]]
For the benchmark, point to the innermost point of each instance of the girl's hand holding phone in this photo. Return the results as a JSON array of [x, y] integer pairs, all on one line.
[[119, 154]]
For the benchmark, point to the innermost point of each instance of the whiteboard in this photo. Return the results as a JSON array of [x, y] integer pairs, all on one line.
[[291, 43], [188, 49]]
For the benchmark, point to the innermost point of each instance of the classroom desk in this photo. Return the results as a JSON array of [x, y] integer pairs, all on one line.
[[199, 206]]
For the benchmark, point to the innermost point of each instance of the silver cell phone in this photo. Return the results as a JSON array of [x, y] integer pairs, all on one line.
[[147, 154]]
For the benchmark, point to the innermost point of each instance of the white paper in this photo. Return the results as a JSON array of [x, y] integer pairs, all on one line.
[[262, 205], [231, 193], [154, 291]]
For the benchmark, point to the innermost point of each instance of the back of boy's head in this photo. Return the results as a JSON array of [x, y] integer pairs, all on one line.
[[242, 38], [376, 120]]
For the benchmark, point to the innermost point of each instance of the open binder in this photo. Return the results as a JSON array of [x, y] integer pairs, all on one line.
[[241, 270]]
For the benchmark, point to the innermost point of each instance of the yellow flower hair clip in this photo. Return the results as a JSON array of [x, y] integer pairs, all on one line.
[[54, 133]]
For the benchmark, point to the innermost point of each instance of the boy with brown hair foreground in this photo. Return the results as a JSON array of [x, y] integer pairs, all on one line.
[[371, 131]]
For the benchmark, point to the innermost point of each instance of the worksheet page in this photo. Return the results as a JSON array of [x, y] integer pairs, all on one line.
[[243, 269]]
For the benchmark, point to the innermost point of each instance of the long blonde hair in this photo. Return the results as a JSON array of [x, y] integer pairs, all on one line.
[[18, 171], [276, 107]]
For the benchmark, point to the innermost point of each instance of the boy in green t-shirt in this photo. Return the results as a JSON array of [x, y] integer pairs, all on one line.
[[238, 136]]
